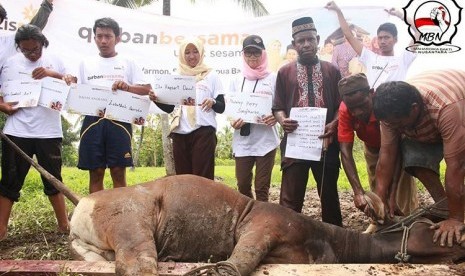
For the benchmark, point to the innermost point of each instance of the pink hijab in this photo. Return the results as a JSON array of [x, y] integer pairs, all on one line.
[[258, 73]]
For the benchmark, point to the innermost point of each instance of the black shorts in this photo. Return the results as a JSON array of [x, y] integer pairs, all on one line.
[[104, 143], [423, 155], [15, 167]]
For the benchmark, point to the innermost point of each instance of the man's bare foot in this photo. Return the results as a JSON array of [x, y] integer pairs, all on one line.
[[63, 229]]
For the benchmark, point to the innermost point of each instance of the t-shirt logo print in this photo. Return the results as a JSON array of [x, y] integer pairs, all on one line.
[[436, 22]]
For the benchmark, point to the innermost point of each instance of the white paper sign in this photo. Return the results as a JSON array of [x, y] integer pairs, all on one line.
[[304, 143], [54, 93], [128, 107], [173, 89], [26, 93], [88, 99], [250, 107]]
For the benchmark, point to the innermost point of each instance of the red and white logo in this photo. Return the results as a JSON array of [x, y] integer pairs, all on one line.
[[435, 20]]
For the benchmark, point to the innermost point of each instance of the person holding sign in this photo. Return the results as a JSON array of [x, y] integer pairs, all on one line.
[[104, 142], [309, 82], [254, 144], [36, 130], [193, 124]]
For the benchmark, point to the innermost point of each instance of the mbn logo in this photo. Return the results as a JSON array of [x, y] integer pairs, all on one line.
[[430, 36]]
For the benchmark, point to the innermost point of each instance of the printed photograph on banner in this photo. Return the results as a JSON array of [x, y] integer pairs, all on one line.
[[249, 107], [86, 99], [127, 107], [54, 93], [173, 89], [304, 143], [25, 93]]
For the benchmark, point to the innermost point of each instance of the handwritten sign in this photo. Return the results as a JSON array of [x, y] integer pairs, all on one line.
[[128, 107], [54, 93], [304, 143], [26, 93], [88, 99], [250, 107], [173, 89]]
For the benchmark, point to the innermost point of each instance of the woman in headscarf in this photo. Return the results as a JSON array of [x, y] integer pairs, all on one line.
[[255, 144], [193, 124]]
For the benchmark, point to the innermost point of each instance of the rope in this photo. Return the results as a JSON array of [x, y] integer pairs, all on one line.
[[420, 211], [402, 256], [220, 268]]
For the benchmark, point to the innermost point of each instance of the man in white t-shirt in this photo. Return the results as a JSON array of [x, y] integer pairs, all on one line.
[[381, 68], [7, 41], [104, 142], [385, 66], [35, 130]]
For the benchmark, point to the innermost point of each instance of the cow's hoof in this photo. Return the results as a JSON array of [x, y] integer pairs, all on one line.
[[227, 269], [370, 229]]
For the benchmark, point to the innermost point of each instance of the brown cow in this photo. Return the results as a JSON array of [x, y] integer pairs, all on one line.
[[192, 219]]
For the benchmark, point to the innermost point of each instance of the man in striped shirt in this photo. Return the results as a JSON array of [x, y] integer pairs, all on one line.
[[426, 115]]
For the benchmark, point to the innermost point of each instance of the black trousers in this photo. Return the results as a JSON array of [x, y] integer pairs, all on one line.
[[294, 185]]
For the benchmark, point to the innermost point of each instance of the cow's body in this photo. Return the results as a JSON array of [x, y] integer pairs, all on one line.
[[192, 219]]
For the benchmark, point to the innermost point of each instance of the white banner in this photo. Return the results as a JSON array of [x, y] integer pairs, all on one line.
[[304, 143], [153, 40], [249, 107]]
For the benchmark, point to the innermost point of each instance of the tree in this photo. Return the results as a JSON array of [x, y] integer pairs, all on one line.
[[224, 146], [70, 137]]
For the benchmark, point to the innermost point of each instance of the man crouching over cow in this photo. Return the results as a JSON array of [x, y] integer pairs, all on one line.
[[175, 219], [426, 116]]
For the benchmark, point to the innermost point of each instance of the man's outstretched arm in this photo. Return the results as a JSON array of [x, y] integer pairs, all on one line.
[[41, 18], [353, 41]]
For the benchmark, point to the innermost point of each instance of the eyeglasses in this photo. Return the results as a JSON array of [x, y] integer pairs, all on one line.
[[254, 53], [30, 52]]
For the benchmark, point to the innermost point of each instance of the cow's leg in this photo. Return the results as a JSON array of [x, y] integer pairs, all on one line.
[[135, 250], [83, 251], [250, 249]]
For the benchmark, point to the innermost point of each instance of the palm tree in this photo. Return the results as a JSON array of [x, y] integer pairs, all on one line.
[[254, 6]]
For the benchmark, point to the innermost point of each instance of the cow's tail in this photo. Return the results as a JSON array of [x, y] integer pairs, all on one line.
[[74, 198]]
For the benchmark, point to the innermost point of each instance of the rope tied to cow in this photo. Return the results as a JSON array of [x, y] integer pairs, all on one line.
[[218, 269], [402, 256], [432, 209]]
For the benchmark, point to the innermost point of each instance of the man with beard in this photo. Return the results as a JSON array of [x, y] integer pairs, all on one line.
[[309, 82]]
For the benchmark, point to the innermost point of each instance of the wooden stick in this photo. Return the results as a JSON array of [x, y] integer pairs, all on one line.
[[52, 179], [29, 267]]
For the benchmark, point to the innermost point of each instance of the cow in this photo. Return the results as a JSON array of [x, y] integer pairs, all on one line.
[[188, 218]]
